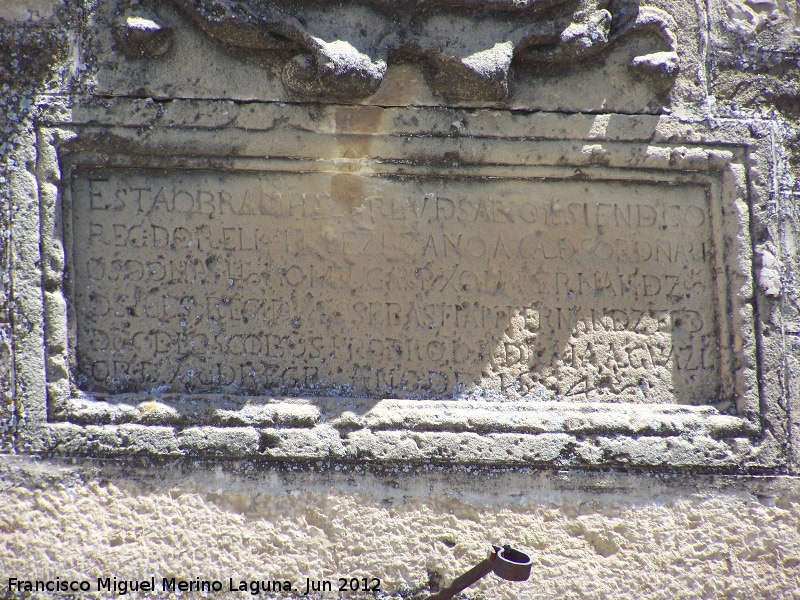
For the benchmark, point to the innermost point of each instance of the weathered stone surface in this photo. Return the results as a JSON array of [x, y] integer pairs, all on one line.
[[390, 285], [140, 35], [505, 53], [346, 57], [348, 277], [409, 528], [322, 250], [495, 275]]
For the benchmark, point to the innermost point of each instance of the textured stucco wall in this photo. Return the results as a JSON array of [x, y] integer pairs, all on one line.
[[590, 535]]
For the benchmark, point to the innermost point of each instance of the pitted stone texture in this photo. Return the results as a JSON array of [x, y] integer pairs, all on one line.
[[343, 521], [693, 450], [141, 35], [393, 286], [11, 418], [344, 53], [749, 18], [458, 53], [446, 143], [561, 208], [29, 11]]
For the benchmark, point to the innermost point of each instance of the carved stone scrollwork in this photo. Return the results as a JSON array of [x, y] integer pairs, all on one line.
[[467, 46], [334, 70], [139, 34]]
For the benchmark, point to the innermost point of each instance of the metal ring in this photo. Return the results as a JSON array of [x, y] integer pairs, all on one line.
[[512, 565]]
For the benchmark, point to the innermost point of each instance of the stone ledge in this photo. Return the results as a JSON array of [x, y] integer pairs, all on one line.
[[348, 414], [324, 442]]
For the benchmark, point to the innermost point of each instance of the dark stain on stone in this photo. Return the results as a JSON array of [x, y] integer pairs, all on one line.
[[347, 191]]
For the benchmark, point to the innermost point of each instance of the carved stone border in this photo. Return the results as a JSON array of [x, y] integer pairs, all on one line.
[[329, 60], [61, 420]]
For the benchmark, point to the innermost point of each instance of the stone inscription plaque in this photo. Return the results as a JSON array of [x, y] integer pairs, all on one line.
[[381, 285]]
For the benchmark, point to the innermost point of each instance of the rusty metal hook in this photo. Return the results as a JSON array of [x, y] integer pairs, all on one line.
[[505, 562]]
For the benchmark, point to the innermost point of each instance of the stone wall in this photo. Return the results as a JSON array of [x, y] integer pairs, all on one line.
[[591, 535], [296, 292]]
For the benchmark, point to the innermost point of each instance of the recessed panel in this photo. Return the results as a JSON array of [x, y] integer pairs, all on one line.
[[389, 286]]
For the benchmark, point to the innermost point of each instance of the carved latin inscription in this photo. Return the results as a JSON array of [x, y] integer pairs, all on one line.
[[393, 286]]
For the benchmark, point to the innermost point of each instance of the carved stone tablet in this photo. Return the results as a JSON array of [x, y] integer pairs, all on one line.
[[452, 231], [313, 295], [387, 285]]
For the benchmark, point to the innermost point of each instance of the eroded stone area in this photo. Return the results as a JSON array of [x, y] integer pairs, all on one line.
[[432, 524], [387, 285]]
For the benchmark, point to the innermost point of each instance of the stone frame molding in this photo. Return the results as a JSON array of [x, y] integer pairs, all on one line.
[[751, 436]]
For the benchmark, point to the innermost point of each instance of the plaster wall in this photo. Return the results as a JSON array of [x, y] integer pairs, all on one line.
[[666, 486], [590, 535]]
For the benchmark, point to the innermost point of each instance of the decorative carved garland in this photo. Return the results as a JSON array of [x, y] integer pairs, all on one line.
[[351, 64]]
